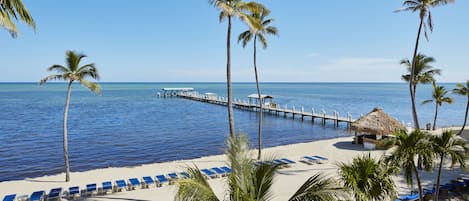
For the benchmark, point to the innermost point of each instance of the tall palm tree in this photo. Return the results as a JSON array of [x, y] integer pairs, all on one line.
[[369, 179], [439, 97], [423, 7], [262, 29], [424, 72], [445, 145], [463, 90], [405, 150], [248, 182], [70, 73], [14, 10], [228, 10]]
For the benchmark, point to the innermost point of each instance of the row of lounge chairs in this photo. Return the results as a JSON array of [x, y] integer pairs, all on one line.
[[454, 186], [106, 187], [316, 159]]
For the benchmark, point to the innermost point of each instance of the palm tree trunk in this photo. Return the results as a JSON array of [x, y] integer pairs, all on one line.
[[436, 115], [228, 80], [65, 140], [418, 183], [259, 129], [438, 178], [465, 117], [411, 80]]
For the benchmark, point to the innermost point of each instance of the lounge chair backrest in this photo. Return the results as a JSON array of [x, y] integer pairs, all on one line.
[[91, 187], [121, 183], [36, 196], [148, 180], [226, 169], [161, 178], [185, 174], [173, 175], [55, 192], [134, 181], [288, 160], [218, 170], [9, 197], [107, 185], [74, 190], [207, 172]]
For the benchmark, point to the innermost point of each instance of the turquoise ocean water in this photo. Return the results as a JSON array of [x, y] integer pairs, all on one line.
[[129, 125]]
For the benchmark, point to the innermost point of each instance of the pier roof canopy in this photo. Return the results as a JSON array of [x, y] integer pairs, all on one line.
[[263, 96], [178, 89], [376, 122]]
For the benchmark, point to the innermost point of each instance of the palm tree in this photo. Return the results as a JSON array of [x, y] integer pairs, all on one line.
[[439, 97], [229, 9], [369, 179], [70, 73], [264, 28], [248, 182], [423, 7], [14, 9], [445, 145], [406, 148], [424, 72], [463, 90]]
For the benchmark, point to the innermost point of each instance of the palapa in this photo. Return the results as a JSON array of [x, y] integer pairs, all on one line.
[[376, 122]]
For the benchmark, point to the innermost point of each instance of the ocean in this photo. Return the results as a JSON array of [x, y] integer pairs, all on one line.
[[129, 125]]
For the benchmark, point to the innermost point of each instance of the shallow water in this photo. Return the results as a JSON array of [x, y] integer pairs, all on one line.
[[128, 125]]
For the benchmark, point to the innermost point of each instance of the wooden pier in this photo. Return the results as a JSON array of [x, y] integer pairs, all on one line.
[[285, 112]]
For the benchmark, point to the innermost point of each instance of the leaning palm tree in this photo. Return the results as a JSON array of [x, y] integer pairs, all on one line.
[[439, 97], [228, 10], [369, 179], [70, 73], [406, 147], [447, 144], [463, 90], [424, 72], [423, 7], [262, 29], [248, 182], [14, 10]]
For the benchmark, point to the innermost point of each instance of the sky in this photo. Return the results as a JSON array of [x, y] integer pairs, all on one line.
[[183, 41]]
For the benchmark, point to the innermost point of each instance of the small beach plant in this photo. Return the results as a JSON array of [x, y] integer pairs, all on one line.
[[261, 28], [439, 97], [14, 10], [71, 73], [369, 179], [463, 90], [425, 16], [448, 145], [405, 149], [249, 182], [228, 10]]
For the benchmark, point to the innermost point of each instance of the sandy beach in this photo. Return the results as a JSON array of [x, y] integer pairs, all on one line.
[[287, 181]]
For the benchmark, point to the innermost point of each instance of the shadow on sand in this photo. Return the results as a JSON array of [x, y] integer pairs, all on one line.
[[347, 145]]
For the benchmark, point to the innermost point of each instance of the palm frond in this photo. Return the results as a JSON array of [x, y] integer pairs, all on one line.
[[59, 69], [246, 36], [92, 86], [17, 10], [319, 188], [195, 188], [51, 77]]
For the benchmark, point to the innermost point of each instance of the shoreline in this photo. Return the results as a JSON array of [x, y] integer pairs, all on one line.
[[288, 180]]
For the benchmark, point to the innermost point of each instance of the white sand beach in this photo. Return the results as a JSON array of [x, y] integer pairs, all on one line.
[[287, 181]]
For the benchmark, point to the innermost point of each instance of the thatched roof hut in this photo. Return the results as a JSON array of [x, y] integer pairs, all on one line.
[[377, 122]]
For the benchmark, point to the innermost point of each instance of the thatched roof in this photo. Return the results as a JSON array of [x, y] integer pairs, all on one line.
[[376, 122]]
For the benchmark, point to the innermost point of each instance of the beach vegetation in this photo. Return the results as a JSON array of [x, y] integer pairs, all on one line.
[[423, 72], [448, 145], [70, 73], [261, 27], [463, 90], [369, 179], [230, 9], [12, 10], [423, 8], [405, 148], [249, 182], [439, 97]]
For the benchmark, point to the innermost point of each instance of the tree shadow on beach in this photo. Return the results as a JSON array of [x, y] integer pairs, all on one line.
[[348, 145]]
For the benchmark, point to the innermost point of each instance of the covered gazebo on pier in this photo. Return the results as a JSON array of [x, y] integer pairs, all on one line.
[[374, 126]]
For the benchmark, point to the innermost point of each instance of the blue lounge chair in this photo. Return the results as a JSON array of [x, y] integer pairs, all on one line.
[[91, 189], [173, 176], [309, 159], [288, 161], [321, 157], [185, 175], [148, 181], [120, 184], [54, 194], [281, 163], [226, 169], [107, 187], [219, 171], [134, 183], [73, 192], [37, 196], [9, 197], [209, 173], [161, 180]]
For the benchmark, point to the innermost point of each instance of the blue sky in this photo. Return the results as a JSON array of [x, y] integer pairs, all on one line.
[[177, 41]]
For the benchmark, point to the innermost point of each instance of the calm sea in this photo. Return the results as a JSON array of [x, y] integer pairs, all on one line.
[[129, 125]]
